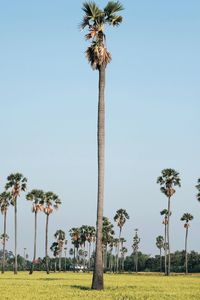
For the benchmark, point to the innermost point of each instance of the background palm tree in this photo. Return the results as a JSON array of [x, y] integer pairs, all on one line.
[[55, 249], [95, 20], [186, 218], [120, 218], [76, 241], [51, 202], [135, 246], [168, 180], [90, 236], [160, 244], [164, 213], [5, 201], [16, 183], [107, 236], [37, 198], [123, 250], [60, 236]]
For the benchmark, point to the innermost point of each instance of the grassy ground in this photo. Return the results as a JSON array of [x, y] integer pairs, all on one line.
[[71, 286]]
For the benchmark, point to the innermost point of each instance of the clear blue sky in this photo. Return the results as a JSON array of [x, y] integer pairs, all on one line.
[[48, 100]]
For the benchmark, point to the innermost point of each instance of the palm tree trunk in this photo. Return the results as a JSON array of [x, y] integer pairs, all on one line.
[[46, 245], [165, 248], [60, 257], [186, 256], [4, 243], [169, 258], [15, 263], [97, 281], [89, 255], [35, 245], [74, 257], [160, 260], [118, 246]]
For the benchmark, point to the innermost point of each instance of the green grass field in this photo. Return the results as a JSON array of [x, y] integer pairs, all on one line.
[[117, 287]]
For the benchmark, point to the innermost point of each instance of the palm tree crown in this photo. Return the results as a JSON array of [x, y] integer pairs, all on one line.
[[37, 198], [198, 188], [120, 217], [187, 217], [95, 20], [51, 201], [168, 180], [5, 201], [17, 183]]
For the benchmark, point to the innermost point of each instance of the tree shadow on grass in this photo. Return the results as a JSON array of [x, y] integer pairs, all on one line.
[[80, 287]]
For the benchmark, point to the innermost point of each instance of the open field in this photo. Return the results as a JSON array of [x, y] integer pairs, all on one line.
[[117, 287]]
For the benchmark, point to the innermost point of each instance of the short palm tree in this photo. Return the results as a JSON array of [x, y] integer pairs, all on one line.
[[55, 249], [168, 180], [60, 237], [123, 251], [164, 213], [5, 201], [135, 246], [160, 245], [51, 202], [90, 236], [186, 218], [37, 199], [95, 20], [16, 183], [107, 236], [120, 218], [76, 241]]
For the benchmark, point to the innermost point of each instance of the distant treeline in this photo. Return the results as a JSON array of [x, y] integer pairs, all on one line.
[[146, 263]]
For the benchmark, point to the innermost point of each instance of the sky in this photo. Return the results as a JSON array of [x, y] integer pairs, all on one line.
[[48, 100]]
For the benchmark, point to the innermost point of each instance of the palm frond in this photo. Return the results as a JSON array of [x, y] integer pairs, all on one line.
[[92, 11], [113, 7]]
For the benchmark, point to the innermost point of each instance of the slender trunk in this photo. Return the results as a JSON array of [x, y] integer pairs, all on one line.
[[35, 245], [74, 257], [169, 258], [136, 262], [15, 263], [97, 281], [59, 263], [160, 260], [186, 256], [165, 248], [105, 258], [4, 243], [55, 266], [118, 246], [46, 245]]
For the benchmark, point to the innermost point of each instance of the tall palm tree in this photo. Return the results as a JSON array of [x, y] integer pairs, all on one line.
[[37, 198], [168, 180], [164, 213], [5, 201], [160, 245], [95, 20], [16, 183], [60, 236], [51, 202], [120, 217], [186, 218]]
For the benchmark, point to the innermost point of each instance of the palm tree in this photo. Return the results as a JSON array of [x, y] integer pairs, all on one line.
[[90, 236], [135, 246], [60, 236], [55, 249], [123, 250], [168, 180], [95, 19], [120, 217], [186, 218], [164, 213], [107, 236], [51, 202], [5, 201], [15, 185], [160, 245], [37, 198], [76, 241]]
